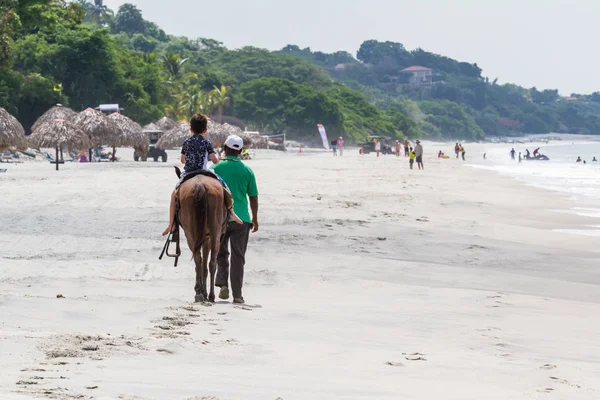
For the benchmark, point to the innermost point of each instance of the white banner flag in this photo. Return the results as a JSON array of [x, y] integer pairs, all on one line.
[[323, 136]]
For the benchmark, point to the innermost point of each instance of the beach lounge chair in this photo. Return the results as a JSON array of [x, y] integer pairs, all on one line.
[[52, 160]]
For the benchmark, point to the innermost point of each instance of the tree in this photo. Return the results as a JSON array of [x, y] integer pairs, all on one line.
[[220, 98], [129, 20], [97, 13], [173, 65], [282, 105]]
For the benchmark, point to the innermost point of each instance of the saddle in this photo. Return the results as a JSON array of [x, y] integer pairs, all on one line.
[[174, 236]]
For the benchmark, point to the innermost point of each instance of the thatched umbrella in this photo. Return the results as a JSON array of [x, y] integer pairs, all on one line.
[[100, 128], [12, 133], [216, 133], [131, 133], [166, 124], [174, 137], [58, 134], [57, 112], [234, 130]]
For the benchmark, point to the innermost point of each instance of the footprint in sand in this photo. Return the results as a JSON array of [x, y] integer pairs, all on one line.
[[415, 357], [394, 364], [546, 390], [548, 366]]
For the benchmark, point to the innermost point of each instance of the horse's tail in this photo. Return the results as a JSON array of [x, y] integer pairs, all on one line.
[[201, 220]]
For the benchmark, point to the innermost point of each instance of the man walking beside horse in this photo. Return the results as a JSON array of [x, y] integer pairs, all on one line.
[[242, 184]]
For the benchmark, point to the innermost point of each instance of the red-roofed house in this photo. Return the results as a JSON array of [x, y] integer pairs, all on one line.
[[420, 75]]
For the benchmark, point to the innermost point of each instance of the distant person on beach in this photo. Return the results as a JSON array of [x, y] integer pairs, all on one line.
[[578, 159], [520, 159], [594, 159], [484, 155], [512, 154], [397, 148], [527, 154], [456, 149], [340, 145], [406, 148], [419, 155], [536, 152], [411, 155], [462, 152], [378, 147], [242, 183], [334, 144], [440, 154]]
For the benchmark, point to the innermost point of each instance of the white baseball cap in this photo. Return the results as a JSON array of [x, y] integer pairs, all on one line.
[[234, 142]]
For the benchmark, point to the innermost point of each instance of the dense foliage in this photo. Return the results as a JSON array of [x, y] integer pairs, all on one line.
[[459, 102], [82, 54]]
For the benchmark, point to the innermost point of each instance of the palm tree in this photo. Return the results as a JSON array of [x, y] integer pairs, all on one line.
[[173, 64], [220, 98], [97, 13]]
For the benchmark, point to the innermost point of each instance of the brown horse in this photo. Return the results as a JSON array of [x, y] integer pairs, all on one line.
[[203, 216]]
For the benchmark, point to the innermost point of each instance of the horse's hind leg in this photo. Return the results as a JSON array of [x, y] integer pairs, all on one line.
[[205, 266], [200, 287], [215, 244]]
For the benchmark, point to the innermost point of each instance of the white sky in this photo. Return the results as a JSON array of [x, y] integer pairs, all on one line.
[[543, 43]]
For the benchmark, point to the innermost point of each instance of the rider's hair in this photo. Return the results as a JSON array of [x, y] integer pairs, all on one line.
[[198, 124]]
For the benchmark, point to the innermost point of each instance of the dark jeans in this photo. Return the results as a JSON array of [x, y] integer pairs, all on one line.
[[237, 236]]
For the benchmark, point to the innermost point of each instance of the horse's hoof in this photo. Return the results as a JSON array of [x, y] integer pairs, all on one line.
[[211, 298], [200, 298]]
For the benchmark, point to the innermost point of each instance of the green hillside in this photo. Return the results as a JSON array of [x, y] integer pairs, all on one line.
[[82, 54]]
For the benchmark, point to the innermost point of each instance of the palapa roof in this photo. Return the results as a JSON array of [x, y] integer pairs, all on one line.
[[216, 133], [131, 133], [12, 133], [100, 128], [166, 124], [174, 137], [152, 128], [57, 112], [59, 133], [234, 130]]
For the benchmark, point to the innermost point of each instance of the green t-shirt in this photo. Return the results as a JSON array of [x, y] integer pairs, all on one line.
[[242, 184]]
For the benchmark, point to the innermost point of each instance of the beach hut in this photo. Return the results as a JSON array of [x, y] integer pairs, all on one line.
[[57, 112], [174, 137], [166, 124], [132, 134], [59, 133], [12, 133], [216, 133], [99, 127]]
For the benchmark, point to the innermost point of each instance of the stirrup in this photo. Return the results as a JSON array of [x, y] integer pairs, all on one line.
[[172, 237]]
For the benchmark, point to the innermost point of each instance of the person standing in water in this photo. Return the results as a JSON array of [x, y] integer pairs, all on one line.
[[512, 154], [456, 149], [462, 151]]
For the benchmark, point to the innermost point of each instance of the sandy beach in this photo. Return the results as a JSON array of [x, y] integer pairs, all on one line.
[[367, 280]]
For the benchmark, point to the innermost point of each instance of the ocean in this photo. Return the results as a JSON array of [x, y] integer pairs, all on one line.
[[562, 173]]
